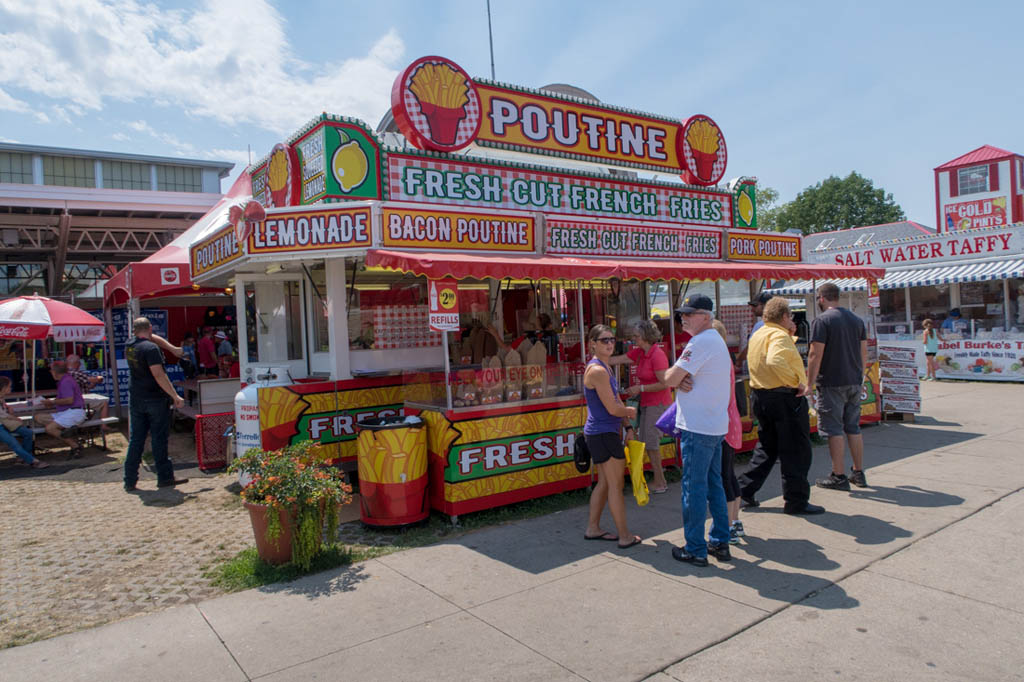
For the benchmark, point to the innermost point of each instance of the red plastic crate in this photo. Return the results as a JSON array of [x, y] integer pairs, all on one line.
[[211, 443]]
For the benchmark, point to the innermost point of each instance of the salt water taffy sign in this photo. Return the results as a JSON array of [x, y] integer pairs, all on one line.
[[312, 229], [440, 108], [595, 238], [418, 228], [430, 179]]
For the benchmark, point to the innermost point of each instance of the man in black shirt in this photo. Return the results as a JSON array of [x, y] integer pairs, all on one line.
[[150, 396], [836, 362]]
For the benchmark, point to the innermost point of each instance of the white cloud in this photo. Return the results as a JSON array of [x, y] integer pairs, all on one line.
[[120, 137], [8, 140], [228, 60], [8, 103]]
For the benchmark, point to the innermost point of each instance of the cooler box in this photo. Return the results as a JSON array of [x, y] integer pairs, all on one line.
[[391, 454]]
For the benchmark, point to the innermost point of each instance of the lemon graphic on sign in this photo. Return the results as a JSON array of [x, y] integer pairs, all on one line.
[[746, 207], [349, 163]]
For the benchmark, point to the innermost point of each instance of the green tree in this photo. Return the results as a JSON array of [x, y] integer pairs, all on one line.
[[767, 210], [839, 204]]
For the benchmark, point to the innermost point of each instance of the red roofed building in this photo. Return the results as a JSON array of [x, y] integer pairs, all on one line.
[[982, 188]]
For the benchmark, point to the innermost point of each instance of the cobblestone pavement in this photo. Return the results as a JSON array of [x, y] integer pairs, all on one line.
[[77, 551]]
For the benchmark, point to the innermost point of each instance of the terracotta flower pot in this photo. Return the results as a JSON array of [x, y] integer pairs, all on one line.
[[278, 550]]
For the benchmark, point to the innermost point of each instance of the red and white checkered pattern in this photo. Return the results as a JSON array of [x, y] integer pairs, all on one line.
[[397, 163], [403, 326], [736, 319], [721, 157], [468, 125]]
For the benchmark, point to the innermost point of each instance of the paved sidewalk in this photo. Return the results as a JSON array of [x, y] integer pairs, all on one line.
[[916, 577]]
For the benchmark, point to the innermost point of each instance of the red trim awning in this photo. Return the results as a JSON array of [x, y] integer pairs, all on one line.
[[438, 265]]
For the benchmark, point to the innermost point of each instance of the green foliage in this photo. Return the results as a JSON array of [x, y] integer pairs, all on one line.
[[767, 210], [245, 570], [296, 480], [838, 204]]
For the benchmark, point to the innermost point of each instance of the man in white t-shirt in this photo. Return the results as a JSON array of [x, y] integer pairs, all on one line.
[[702, 417]]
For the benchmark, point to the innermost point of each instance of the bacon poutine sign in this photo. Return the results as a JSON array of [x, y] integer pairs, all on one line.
[[439, 108]]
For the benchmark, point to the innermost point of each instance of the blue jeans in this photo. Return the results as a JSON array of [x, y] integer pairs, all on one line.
[[19, 440], [152, 418], [702, 488]]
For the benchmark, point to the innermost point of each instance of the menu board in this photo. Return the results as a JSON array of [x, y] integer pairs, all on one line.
[[901, 387]]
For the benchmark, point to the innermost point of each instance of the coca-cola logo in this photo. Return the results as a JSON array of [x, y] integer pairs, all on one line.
[[16, 332]]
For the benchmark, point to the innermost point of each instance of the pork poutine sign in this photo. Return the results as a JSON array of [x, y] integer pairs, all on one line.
[[591, 238], [293, 231], [220, 248], [435, 229], [439, 108], [494, 185], [763, 246]]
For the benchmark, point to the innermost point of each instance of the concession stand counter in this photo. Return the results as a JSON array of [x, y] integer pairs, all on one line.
[[385, 281]]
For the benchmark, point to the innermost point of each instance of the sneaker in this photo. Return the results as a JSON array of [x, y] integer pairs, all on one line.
[[734, 538], [170, 484], [834, 482], [857, 478], [719, 551], [680, 554], [737, 525]]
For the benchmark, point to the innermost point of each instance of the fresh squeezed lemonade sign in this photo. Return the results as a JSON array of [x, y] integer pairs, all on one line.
[[444, 305], [423, 229], [439, 108]]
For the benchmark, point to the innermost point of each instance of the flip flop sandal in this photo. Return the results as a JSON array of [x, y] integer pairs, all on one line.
[[602, 536], [636, 541], [659, 491], [39, 464]]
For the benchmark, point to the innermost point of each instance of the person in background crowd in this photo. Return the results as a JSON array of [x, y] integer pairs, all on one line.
[[606, 417], [17, 436], [954, 322], [87, 382], [733, 441], [680, 336], [188, 360], [757, 306], [836, 363], [930, 338], [655, 397], [778, 401], [150, 397], [207, 354], [225, 354], [68, 408], [702, 417]]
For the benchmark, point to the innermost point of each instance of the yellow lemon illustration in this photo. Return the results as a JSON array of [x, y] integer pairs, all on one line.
[[349, 164], [746, 207]]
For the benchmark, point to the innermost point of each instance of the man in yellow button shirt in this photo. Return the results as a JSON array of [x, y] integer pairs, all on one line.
[[779, 402]]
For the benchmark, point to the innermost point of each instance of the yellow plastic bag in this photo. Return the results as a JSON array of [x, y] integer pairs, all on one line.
[[635, 464]]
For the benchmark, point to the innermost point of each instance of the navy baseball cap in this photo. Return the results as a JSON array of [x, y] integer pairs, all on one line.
[[761, 298], [696, 303]]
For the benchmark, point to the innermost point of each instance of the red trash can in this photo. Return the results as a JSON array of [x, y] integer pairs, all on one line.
[[391, 458]]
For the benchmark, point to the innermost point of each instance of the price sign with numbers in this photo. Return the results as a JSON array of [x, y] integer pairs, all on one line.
[[444, 305]]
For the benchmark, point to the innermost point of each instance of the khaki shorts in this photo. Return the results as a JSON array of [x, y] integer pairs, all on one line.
[[650, 434]]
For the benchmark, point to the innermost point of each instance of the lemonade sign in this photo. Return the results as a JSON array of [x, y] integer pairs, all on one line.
[[337, 161]]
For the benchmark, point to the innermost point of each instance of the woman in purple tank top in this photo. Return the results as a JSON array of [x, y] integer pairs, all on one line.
[[603, 431]]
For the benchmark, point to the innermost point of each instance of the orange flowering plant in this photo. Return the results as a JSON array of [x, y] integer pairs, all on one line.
[[295, 480]]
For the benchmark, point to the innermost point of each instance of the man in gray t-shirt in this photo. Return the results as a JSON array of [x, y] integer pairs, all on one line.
[[836, 364]]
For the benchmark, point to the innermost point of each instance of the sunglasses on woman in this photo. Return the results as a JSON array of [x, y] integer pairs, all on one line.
[[606, 339]]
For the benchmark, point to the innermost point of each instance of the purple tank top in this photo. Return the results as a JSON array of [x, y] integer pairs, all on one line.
[[598, 419]]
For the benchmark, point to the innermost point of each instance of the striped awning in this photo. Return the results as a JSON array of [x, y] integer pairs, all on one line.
[[917, 277]]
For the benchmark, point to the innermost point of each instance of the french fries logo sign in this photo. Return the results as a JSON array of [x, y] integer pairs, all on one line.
[[436, 105], [703, 150], [282, 177]]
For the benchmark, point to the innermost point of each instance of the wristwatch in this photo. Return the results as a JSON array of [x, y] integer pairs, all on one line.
[[641, 388]]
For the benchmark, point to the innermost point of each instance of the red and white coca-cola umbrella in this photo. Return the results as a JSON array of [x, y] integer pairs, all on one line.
[[36, 317]]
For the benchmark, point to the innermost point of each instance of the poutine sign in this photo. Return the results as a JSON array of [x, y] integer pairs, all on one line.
[[439, 108], [763, 246], [439, 229], [220, 248]]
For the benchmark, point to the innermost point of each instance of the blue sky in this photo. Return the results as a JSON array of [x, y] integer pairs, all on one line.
[[801, 90]]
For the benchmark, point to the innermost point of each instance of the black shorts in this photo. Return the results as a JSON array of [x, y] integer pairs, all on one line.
[[729, 482], [931, 355], [604, 446]]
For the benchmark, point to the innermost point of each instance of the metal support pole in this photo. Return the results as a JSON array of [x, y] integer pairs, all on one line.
[[490, 37], [909, 315], [1006, 305]]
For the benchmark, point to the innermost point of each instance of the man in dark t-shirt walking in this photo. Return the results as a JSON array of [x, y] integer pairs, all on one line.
[[150, 396], [836, 363]]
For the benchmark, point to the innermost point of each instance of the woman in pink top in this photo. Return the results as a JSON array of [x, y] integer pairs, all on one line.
[[733, 441], [655, 397]]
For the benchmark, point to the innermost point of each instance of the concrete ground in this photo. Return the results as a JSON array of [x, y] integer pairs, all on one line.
[[916, 577]]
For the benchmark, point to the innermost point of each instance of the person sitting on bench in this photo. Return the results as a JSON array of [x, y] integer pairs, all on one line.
[[16, 435], [70, 408], [97, 403]]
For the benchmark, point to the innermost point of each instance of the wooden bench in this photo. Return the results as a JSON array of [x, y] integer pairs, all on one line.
[[87, 430]]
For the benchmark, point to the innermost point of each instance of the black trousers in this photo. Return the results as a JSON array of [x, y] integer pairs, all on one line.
[[784, 434]]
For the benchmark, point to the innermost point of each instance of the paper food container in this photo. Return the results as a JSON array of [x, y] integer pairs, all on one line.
[[513, 376]]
